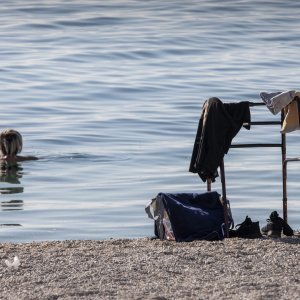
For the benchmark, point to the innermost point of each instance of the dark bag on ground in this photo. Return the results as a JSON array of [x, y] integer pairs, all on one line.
[[187, 216], [247, 229]]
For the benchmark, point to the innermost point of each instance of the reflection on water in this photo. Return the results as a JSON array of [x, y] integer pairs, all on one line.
[[11, 173], [11, 190], [12, 205]]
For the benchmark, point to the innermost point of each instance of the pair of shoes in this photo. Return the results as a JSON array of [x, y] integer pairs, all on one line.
[[273, 227], [276, 226], [247, 230]]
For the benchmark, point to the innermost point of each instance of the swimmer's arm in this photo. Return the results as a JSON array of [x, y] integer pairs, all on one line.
[[24, 158]]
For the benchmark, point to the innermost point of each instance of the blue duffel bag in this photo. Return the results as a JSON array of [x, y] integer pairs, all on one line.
[[187, 216]]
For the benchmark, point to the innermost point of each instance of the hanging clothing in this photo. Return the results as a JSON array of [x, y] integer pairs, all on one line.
[[218, 125], [277, 101], [292, 116], [289, 101]]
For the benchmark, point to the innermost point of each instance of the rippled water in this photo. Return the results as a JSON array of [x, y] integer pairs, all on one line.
[[109, 93]]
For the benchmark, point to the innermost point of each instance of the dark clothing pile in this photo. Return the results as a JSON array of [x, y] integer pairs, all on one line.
[[218, 125], [276, 226]]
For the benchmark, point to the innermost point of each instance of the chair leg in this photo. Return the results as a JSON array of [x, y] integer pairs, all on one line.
[[224, 198]]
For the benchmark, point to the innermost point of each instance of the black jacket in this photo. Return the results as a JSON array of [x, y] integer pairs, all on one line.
[[218, 125]]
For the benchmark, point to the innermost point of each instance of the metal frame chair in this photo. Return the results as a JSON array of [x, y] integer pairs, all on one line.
[[284, 160]]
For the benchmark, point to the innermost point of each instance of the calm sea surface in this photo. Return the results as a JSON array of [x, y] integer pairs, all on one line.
[[109, 93]]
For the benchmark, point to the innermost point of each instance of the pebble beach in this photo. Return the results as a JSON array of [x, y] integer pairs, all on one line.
[[152, 269]]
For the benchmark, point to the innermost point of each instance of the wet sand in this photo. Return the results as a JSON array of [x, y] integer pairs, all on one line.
[[152, 269]]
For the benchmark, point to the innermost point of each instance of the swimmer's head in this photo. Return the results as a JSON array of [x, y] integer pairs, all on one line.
[[10, 142]]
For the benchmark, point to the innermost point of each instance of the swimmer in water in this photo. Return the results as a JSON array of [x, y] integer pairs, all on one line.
[[11, 145]]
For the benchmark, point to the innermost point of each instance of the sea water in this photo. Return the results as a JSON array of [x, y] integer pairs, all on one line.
[[108, 95]]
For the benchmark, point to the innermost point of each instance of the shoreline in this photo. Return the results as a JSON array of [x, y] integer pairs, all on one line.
[[152, 269]]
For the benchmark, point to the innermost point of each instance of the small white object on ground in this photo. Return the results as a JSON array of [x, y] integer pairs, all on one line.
[[15, 264]]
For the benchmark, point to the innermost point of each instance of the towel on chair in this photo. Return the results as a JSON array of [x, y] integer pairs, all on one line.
[[279, 100], [292, 116]]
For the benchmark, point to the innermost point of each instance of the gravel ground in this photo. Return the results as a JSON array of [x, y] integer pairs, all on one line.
[[152, 269]]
